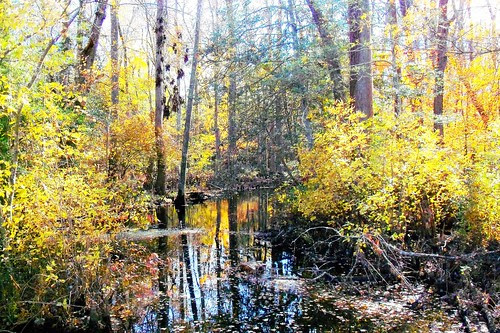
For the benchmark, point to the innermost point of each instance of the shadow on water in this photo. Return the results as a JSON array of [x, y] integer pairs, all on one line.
[[225, 278]]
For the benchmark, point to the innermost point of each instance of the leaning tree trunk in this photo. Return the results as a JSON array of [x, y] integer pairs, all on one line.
[[304, 104], [87, 55], [330, 51], [441, 60], [361, 83], [181, 194], [161, 37], [404, 6]]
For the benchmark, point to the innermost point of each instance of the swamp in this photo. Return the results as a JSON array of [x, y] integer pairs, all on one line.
[[249, 166]]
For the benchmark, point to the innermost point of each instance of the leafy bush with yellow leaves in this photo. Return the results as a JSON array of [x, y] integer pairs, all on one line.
[[60, 213], [395, 175]]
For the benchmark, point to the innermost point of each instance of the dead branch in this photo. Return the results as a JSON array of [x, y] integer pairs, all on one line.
[[464, 257]]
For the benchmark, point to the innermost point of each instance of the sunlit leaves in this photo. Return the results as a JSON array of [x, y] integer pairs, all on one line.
[[393, 173]]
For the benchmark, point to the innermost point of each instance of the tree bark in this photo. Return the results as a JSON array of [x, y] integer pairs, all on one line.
[[181, 199], [87, 56], [304, 103], [404, 5], [231, 94], [441, 60], [216, 128], [125, 60], [160, 99], [329, 49], [394, 29], [115, 89], [477, 104], [361, 83]]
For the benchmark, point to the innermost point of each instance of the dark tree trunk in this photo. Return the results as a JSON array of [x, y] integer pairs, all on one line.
[[234, 259], [115, 89], [160, 99], [330, 51], [404, 6], [304, 103], [216, 128], [441, 60], [231, 96], [393, 21], [361, 83], [87, 55]]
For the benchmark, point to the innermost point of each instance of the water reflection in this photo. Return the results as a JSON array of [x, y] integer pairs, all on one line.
[[224, 278]]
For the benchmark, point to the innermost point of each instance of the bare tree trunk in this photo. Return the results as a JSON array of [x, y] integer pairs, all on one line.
[[231, 95], [79, 37], [329, 49], [304, 104], [87, 56], [441, 60], [216, 128], [404, 6], [493, 14], [181, 200], [115, 89], [361, 83], [178, 110], [176, 95], [161, 15], [393, 21], [125, 61]]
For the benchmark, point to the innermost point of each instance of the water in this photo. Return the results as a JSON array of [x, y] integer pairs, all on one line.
[[216, 273]]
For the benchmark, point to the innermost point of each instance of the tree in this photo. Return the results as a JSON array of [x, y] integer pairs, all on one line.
[[329, 49], [360, 56], [115, 89], [304, 102], [394, 32], [87, 55], [441, 60], [160, 100], [231, 91], [187, 127]]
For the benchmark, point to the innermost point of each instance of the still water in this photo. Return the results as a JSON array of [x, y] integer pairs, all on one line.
[[215, 272]]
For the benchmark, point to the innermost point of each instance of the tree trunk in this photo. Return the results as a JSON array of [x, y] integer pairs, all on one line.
[[216, 128], [361, 83], [404, 5], [181, 200], [394, 29], [125, 62], [231, 95], [160, 100], [87, 56], [329, 49], [304, 104], [115, 89], [441, 60]]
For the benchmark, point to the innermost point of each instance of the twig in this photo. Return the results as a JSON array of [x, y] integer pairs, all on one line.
[[464, 257]]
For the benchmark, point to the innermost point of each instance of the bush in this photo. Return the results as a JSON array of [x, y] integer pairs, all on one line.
[[395, 175]]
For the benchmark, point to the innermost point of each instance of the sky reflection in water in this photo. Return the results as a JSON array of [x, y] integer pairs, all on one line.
[[226, 279]]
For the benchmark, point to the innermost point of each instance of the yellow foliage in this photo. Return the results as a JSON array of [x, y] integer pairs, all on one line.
[[393, 174]]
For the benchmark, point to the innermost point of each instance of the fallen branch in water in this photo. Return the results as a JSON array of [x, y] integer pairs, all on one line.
[[464, 257]]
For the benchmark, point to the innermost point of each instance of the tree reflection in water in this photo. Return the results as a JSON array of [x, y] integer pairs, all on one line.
[[225, 278]]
